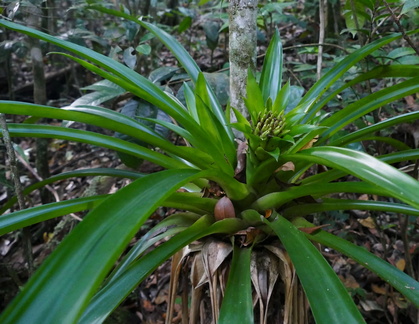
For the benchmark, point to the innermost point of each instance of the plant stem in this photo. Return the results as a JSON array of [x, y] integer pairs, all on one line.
[[403, 31]]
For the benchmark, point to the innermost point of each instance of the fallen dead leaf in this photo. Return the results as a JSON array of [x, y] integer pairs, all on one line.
[[288, 166], [401, 264], [363, 197], [367, 222], [349, 281], [379, 289]]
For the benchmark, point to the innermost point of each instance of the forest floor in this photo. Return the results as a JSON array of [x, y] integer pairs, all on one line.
[[386, 235]]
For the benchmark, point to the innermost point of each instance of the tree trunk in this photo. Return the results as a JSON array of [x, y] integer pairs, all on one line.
[[242, 15], [39, 96]]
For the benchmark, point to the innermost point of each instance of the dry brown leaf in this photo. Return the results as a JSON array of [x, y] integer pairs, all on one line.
[[381, 290], [349, 281], [147, 305], [363, 197], [367, 222], [410, 100], [252, 235], [288, 166], [310, 144], [401, 264]]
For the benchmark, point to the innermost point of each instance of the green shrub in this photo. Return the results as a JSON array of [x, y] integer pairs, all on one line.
[[262, 180]]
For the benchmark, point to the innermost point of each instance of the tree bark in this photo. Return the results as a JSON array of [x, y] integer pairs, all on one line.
[[242, 16], [39, 96]]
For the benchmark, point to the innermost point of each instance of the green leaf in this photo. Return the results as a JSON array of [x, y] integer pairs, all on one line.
[[193, 202], [399, 52], [144, 88], [367, 168], [271, 76], [104, 90], [71, 174], [366, 105], [237, 305], [254, 101], [160, 99], [217, 142], [383, 71], [99, 117], [30, 216], [336, 174], [282, 99], [277, 199], [405, 284], [355, 16], [321, 86], [347, 204], [182, 56], [86, 255], [144, 49], [396, 144], [328, 297], [185, 24], [82, 136], [168, 227], [359, 134], [409, 5]]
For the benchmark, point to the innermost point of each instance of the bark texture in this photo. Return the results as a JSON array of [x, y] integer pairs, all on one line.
[[243, 15]]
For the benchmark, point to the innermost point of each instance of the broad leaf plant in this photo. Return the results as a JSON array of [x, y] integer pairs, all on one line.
[[258, 190]]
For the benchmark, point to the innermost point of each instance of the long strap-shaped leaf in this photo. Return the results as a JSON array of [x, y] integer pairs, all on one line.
[[359, 134], [97, 116], [191, 131], [271, 76], [277, 199], [72, 174], [334, 174], [408, 286], [321, 86], [110, 296], [149, 91], [26, 217], [348, 204], [328, 297], [62, 287], [366, 105], [82, 136], [382, 71], [185, 60], [139, 85], [365, 167], [237, 305]]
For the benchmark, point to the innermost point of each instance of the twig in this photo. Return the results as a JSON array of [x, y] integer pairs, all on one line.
[[35, 174], [404, 223], [401, 28], [357, 26], [26, 234], [52, 190], [12, 161]]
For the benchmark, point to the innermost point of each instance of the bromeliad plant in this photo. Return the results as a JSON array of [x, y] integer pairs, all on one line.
[[264, 183]]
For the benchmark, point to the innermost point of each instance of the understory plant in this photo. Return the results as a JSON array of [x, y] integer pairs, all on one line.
[[250, 198]]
